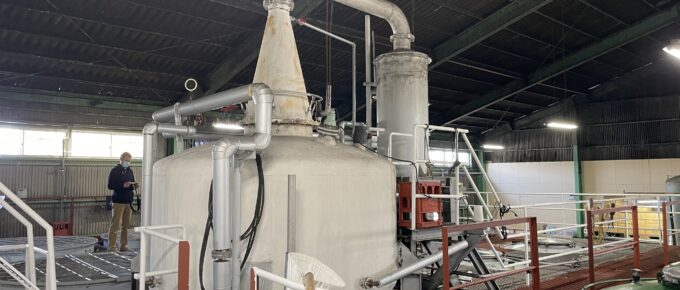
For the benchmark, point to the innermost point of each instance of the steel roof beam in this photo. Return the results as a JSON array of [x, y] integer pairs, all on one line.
[[487, 27], [609, 43]]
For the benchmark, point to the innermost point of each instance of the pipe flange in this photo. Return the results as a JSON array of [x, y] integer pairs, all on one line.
[[221, 255], [280, 4], [368, 283]]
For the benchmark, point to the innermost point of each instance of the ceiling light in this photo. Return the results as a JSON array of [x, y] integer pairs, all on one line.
[[493, 147], [558, 125], [228, 126], [673, 48]]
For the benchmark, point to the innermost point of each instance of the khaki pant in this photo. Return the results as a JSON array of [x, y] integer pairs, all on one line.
[[121, 214]]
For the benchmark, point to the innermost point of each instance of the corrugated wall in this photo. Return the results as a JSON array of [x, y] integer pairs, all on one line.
[[42, 178], [641, 128]]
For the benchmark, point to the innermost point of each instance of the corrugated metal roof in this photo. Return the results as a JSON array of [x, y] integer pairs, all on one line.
[[144, 49]]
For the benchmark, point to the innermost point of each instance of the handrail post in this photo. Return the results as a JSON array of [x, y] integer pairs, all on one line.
[[591, 252], [664, 213], [445, 258], [636, 237], [535, 274], [183, 266]]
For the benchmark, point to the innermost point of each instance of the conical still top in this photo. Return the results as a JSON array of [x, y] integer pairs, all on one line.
[[279, 67]]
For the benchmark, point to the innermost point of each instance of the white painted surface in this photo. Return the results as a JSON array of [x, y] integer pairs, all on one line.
[[513, 179], [617, 176]]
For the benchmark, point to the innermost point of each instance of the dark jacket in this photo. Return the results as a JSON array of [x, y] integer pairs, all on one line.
[[117, 177]]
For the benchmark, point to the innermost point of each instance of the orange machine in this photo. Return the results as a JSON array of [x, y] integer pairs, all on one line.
[[428, 210]]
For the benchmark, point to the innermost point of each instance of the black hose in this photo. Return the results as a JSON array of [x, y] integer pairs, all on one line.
[[250, 231], [259, 208], [206, 232]]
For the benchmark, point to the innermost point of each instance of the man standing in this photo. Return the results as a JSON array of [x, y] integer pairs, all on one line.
[[121, 183]]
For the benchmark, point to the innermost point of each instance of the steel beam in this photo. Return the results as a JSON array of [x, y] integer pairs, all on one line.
[[488, 26], [78, 100], [611, 42], [248, 51]]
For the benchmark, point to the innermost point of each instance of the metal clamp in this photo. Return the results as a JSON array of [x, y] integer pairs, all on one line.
[[221, 255]]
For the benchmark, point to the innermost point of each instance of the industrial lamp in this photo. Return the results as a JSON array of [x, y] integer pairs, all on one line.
[[561, 125], [673, 48], [227, 126], [493, 147]]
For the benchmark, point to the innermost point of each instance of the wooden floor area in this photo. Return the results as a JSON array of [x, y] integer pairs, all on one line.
[[651, 262]]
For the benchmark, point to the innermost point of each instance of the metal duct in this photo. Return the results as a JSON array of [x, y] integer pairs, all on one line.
[[401, 32]]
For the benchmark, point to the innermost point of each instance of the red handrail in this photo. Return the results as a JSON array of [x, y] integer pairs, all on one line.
[[590, 229]]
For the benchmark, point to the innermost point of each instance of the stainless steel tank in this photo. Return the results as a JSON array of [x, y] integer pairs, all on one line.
[[345, 196], [402, 99], [345, 207]]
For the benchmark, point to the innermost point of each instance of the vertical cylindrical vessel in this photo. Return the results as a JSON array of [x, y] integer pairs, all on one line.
[[402, 97]]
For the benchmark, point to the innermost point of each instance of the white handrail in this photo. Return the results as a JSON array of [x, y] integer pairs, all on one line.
[[153, 231], [50, 272]]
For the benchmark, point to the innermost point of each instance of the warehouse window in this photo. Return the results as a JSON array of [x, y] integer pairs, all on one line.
[[445, 157], [103, 144], [12, 140], [32, 142]]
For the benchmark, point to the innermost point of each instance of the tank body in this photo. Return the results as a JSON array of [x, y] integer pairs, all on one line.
[[402, 99], [345, 205]]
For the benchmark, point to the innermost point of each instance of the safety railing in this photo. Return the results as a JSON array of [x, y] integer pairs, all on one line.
[[666, 231], [635, 243], [182, 269], [28, 278], [532, 240], [455, 195]]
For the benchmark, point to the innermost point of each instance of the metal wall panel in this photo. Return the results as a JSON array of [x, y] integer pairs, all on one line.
[[85, 178], [640, 128]]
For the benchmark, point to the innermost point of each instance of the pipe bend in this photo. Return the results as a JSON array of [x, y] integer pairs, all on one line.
[[150, 128], [401, 32], [224, 148], [261, 141], [261, 93]]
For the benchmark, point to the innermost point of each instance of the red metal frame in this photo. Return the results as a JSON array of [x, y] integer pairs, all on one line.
[[533, 266], [664, 212], [183, 266], [590, 228]]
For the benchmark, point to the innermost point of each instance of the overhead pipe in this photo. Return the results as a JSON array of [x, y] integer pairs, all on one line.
[[204, 104], [226, 182], [401, 32], [149, 133], [422, 263]]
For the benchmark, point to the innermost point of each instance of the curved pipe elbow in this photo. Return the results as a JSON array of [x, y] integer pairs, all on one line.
[[224, 148], [150, 129], [261, 93], [262, 141], [401, 32]]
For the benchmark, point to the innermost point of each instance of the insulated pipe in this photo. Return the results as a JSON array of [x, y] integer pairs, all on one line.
[[401, 32], [150, 130], [207, 103], [368, 63], [403, 272], [226, 185]]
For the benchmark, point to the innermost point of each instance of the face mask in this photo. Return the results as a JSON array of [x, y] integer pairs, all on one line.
[[125, 164]]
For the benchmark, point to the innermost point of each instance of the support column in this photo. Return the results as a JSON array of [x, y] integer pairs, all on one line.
[[578, 187]]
